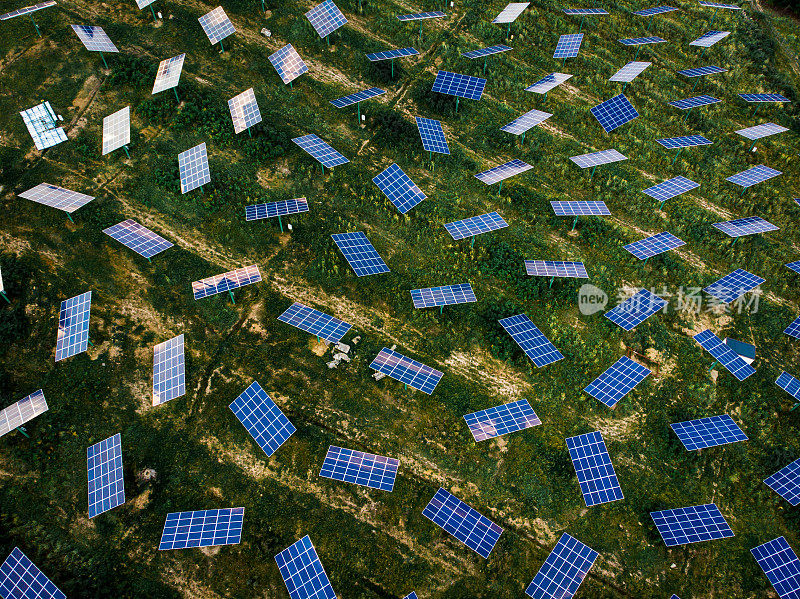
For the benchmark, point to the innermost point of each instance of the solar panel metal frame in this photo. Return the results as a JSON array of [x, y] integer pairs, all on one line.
[[694, 102], [273, 209], [629, 72], [598, 158], [432, 136], [244, 110], [539, 349], [216, 25], [419, 16], [56, 197], [635, 310], [144, 3], [501, 420], [795, 266], [709, 38], [786, 481], [671, 188], [25, 410], [138, 238], [360, 96], [568, 45], [411, 595], [654, 245], [780, 565], [488, 51], [169, 73], [711, 431], [723, 354], [563, 571], [94, 38], [391, 54], [641, 41], [745, 226], [315, 322], [585, 12], [718, 5], [409, 372], [527, 121], [227, 281], [596, 476], [702, 71], [556, 268], [763, 98], [510, 13], [580, 208], [40, 120], [617, 381], [463, 522], [202, 528], [325, 18], [793, 330], [27, 10], [320, 151], [21, 579], [288, 63], [448, 295], [360, 468], [262, 418], [302, 571], [116, 130], [399, 188], [655, 10], [169, 370], [685, 141], [104, 468], [73, 326], [193, 168], [614, 113], [360, 254], [475, 225], [692, 524], [733, 285], [503, 171], [548, 82], [789, 384], [761, 131], [461, 86]]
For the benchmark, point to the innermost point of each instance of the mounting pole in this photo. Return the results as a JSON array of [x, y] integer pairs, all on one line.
[[591, 176], [392, 61], [501, 188], [249, 133], [696, 81], [508, 31], [564, 64], [5, 297], [280, 222], [623, 86], [359, 6], [575, 222], [713, 365], [581, 27], [703, 52], [420, 32], [405, 386], [318, 339], [154, 13], [522, 143], [457, 98], [676, 155], [148, 259], [175, 89], [126, 151], [797, 405], [232, 299], [649, 23], [322, 166], [645, 261], [39, 33], [104, 59], [686, 118], [755, 109], [638, 49], [714, 16], [440, 309], [358, 111], [551, 282], [90, 342], [484, 64], [328, 39], [221, 47], [662, 205], [264, 8], [472, 243], [743, 190], [753, 145], [735, 239], [69, 216], [22, 430]]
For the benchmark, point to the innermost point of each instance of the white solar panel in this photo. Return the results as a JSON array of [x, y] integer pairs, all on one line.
[[41, 123], [94, 38], [217, 25], [756, 174], [568, 45], [504, 171], [548, 82], [629, 72], [326, 18], [139, 238], [244, 110], [25, 410], [510, 13], [710, 38], [169, 370], [598, 158], [117, 130], [759, 131], [671, 188], [26, 10], [73, 326], [193, 168], [56, 197], [169, 73], [528, 120]]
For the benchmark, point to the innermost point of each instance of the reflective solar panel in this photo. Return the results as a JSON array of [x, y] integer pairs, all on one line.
[[709, 38], [656, 10], [443, 296], [671, 188], [360, 253], [2, 288], [227, 281], [702, 71], [144, 3], [73, 326], [581, 12], [503, 171], [654, 245], [629, 72], [94, 38], [359, 468], [193, 168], [718, 5], [432, 135], [532, 341], [410, 372], [616, 382], [596, 476], [510, 13], [686, 141], [139, 238], [568, 45], [244, 110], [21, 579], [321, 151], [550, 268], [169, 73], [483, 52], [789, 384], [273, 209], [202, 528], [465, 523], [695, 102], [780, 565], [641, 41], [399, 188], [315, 322], [732, 361], [302, 572], [326, 18], [27, 10], [40, 121], [169, 370], [104, 467], [548, 82], [389, 54], [435, 14], [217, 25], [763, 98], [745, 226], [25, 410], [733, 285], [614, 113], [793, 330], [288, 64], [56, 197], [635, 310], [786, 481], [475, 225], [691, 524], [262, 418], [597, 158], [462, 86], [528, 120], [117, 130], [360, 96], [795, 266], [563, 571], [501, 420], [580, 208], [760, 131]]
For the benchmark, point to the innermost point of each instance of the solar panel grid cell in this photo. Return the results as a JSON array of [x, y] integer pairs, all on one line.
[[73, 326], [410, 372], [262, 418], [483, 52], [616, 382], [315, 322], [503, 171], [326, 18], [709, 38], [686, 141], [462, 86], [365, 469], [548, 82], [654, 245], [718, 5], [635, 310], [227, 281], [56, 197], [321, 151], [780, 565], [691, 524], [671, 188], [288, 64], [432, 136], [23, 411], [501, 420], [568, 45], [563, 571], [745, 226], [202, 528], [532, 341], [169, 370], [629, 72], [104, 467], [244, 110], [443, 296], [40, 121], [360, 253], [614, 113], [139, 238], [596, 476], [695, 102], [549, 268], [475, 225], [116, 130], [193, 168], [525, 122], [399, 188], [786, 481], [273, 209], [597, 158], [169, 73], [580, 208], [302, 572], [94, 38], [711, 431], [463, 522], [216, 25], [389, 54], [359, 96], [733, 285], [724, 355], [21, 579]]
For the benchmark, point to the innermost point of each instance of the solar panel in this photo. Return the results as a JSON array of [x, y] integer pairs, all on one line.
[[549, 268], [411, 595], [117, 130], [302, 572], [262, 418], [642, 41], [580, 208], [193, 168], [548, 82], [528, 120], [94, 38], [597, 158], [724, 355], [709, 38], [695, 102], [793, 330], [41, 123], [410, 372], [629, 72], [465, 523], [169, 370], [73, 326], [654, 245], [786, 481], [169, 73], [288, 64], [25, 410], [616, 382], [585, 12], [656, 10], [419, 16], [563, 571], [244, 110], [315, 322], [56, 197], [273, 209], [360, 96], [483, 52], [596, 476], [432, 135], [635, 310], [671, 188], [326, 18], [139, 238], [2, 288], [360, 253], [27, 10], [390, 54], [532, 341], [501, 420], [217, 25], [795, 266], [359, 468], [503, 171], [763, 98], [399, 188], [718, 5], [21, 579], [104, 467], [568, 45], [510, 13], [745, 226], [691, 524], [702, 71], [321, 151], [475, 225], [760, 131], [462, 86], [144, 3], [711, 431], [443, 296], [780, 565], [614, 113], [733, 285], [202, 528], [227, 281], [789, 384], [686, 141]]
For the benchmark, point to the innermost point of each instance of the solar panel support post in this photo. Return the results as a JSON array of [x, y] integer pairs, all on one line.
[[713, 366], [69, 216], [441, 308], [522, 143], [392, 61], [591, 176], [574, 223], [581, 27], [420, 32], [649, 23], [638, 49], [153, 13], [328, 39], [90, 342], [795, 406], [126, 151], [472, 243], [564, 64], [696, 81], [280, 223], [686, 118], [623, 86], [104, 59], [755, 109], [551, 282], [175, 89], [703, 52], [5, 297], [500, 189], [484, 64], [22, 430], [662, 205], [457, 98], [508, 31], [233, 300], [678, 153], [358, 112], [221, 47], [753, 145], [645, 261], [264, 8], [39, 33], [714, 16]]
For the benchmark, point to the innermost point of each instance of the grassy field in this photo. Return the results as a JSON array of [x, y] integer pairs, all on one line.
[[373, 544]]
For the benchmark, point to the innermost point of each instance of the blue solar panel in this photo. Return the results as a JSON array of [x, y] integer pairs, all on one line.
[[635, 310], [273, 209], [359, 468], [709, 38], [580, 208], [364, 94], [719, 5], [410, 372], [169, 370], [695, 102], [702, 71], [503, 171], [227, 281], [795, 266], [656, 10], [733, 285], [786, 481], [411, 595], [763, 98], [360, 253], [315, 322], [501, 420], [563, 571], [262, 418], [432, 135], [288, 63], [593, 466], [789, 384], [641, 41], [94, 38], [104, 467], [475, 225], [484, 52], [616, 382], [732, 361], [556, 268], [793, 330], [139, 238], [443, 296], [756, 174], [711, 431], [781, 566], [687, 141], [193, 168], [568, 45], [326, 18], [389, 54], [614, 113], [318, 149], [745, 226], [399, 188], [21, 579], [532, 341], [302, 572], [585, 11], [691, 524], [202, 528], [463, 522], [462, 86], [654, 245], [671, 188], [434, 14], [217, 25], [73, 326]]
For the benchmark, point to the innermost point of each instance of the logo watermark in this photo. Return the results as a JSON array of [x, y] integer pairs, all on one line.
[[592, 299]]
